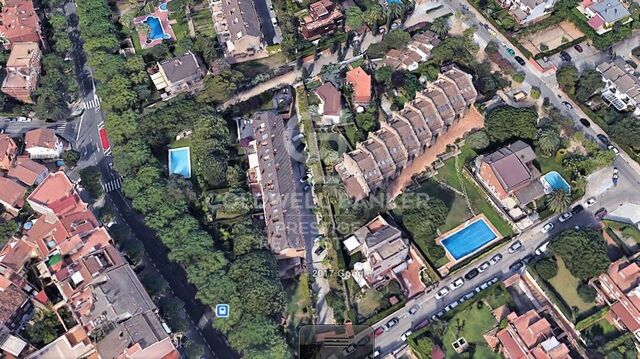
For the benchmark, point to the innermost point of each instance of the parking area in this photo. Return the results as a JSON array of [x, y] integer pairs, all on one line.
[[551, 37], [590, 57]]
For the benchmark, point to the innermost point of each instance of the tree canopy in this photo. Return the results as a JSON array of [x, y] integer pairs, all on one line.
[[507, 123], [583, 251]]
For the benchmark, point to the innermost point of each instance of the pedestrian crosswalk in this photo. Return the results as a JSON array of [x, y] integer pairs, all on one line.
[[113, 185], [61, 126], [95, 103]]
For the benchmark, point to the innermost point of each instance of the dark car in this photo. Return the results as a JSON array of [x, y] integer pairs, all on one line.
[[577, 209], [567, 105], [565, 56], [520, 60], [516, 266], [603, 139], [601, 213], [471, 274], [578, 48], [585, 122], [527, 259]]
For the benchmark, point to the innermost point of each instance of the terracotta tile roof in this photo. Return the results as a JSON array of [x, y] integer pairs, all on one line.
[[330, 97], [510, 346], [80, 222], [16, 253], [41, 137], [361, 82], [8, 150], [56, 186], [12, 192], [12, 299], [19, 21], [26, 170], [532, 328], [628, 315], [47, 234]]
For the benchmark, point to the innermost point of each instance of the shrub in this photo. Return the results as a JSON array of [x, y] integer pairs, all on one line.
[[518, 77], [547, 268], [587, 292], [535, 93]]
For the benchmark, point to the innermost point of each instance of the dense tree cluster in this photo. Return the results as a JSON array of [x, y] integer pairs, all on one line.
[[583, 251], [507, 123], [395, 39], [422, 218], [546, 268]]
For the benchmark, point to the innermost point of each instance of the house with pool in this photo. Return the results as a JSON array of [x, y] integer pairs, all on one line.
[[154, 28]]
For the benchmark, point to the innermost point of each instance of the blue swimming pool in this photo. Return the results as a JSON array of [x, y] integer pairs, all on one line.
[[163, 6], [180, 162], [469, 239], [155, 29], [553, 181]]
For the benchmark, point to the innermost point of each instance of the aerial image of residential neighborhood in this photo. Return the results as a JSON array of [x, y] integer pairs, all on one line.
[[319, 179]]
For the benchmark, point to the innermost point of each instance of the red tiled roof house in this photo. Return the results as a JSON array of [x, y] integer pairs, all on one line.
[[12, 195], [360, 80], [42, 143], [23, 71], [330, 105], [27, 171], [8, 151], [19, 23], [324, 17]]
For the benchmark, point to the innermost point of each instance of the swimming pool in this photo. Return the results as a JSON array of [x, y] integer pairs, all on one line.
[[155, 29], [163, 6], [553, 181], [180, 162], [469, 239]]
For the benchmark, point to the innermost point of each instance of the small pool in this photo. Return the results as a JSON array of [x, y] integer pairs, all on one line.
[[155, 29], [469, 239], [163, 6], [553, 181], [180, 162]]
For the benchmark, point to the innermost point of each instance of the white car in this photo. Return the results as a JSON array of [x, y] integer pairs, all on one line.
[[495, 259], [542, 248], [442, 292], [547, 227], [24, 119], [483, 267], [612, 148], [406, 335], [515, 246], [565, 217], [590, 202], [456, 284]]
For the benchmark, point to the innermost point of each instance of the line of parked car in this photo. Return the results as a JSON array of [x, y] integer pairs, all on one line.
[[459, 282], [465, 297], [17, 119]]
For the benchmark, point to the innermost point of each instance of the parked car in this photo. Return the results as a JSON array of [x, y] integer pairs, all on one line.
[[306, 187], [390, 324], [456, 284], [471, 274], [364, 340], [516, 266], [577, 209], [601, 213], [510, 51], [542, 248], [297, 137], [24, 119], [350, 349], [603, 139], [319, 250], [565, 217], [304, 179], [590, 202], [442, 292], [565, 56], [614, 149], [515, 247], [406, 335], [615, 170], [585, 122], [567, 105], [547, 227], [578, 48], [528, 258], [378, 331], [413, 310], [469, 295], [520, 60], [483, 267], [495, 259], [493, 280], [10, 120]]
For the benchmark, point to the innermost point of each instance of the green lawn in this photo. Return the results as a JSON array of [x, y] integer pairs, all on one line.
[[471, 324], [203, 23], [458, 211], [566, 285]]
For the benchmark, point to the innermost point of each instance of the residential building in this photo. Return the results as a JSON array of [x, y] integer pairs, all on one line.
[[418, 50], [238, 30], [12, 195], [621, 85], [619, 288], [42, 143], [75, 343], [509, 172], [19, 23], [177, 75], [384, 248], [56, 196], [16, 253], [8, 151], [14, 304], [23, 71], [407, 134], [627, 212], [360, 80], [27, 171], [323, 19], [527, 12], [330, 103], [530, 336], [285, 232], [603, 14]]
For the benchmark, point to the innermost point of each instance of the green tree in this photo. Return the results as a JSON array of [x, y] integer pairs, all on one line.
[[627, 133], [256, 277], [549, 141], [354, 18], [44, 328], [372, 16], [440, 26], [583, 251], [590, 81], [567, 78], [558, 201], [422, 218], [586, 292], [116, 94], [518, 77], [246, 238], [535, 93], [478, 140], [218, 89], [7, 229], [506, 123], [546, 268], [70, 158], [424, 345], [90, 178]]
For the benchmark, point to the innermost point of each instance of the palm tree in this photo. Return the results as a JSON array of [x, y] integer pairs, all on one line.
[[440, 26], [558, 201], [372, 17], [354, 18], [549, 141], [395, 10]]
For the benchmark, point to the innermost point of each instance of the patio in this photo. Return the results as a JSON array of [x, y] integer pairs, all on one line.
[[155, 27]]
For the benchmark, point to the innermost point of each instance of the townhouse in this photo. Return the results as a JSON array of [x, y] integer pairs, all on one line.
[[323, 19], [12, 195], [238, 29], [360, 81], [621, 85], [530, 336], [407, 134], [603, 14], [8, 151], [330, 103], [19, 23], [409, 58], [43, 143]]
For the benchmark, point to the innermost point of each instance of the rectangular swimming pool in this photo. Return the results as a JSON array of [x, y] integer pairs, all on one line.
[[469, 239], [180, 162]]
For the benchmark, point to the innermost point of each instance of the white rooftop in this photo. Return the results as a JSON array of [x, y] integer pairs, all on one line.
[[351, 244]]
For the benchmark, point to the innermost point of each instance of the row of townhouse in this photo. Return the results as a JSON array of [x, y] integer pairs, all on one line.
[[418, 50], [408, 134], [621, 85], [77, 269]]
